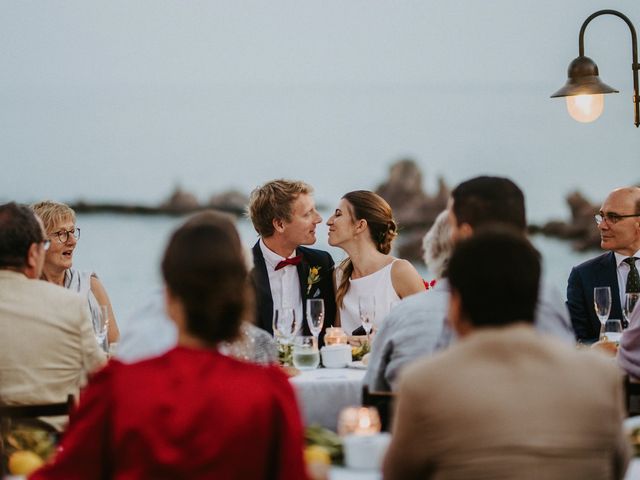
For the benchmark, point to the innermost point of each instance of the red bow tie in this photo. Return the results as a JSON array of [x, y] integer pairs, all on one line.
[[289, 261]]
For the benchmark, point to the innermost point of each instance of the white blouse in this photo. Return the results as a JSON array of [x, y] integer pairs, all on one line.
[[378, 285]]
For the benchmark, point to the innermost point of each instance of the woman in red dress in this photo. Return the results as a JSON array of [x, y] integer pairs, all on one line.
[[191, 413]]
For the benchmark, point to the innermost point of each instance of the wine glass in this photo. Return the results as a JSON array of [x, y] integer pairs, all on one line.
[[630, 301], [602, 304], [101, 326], [367, 309], [285, 325], [315, 316]]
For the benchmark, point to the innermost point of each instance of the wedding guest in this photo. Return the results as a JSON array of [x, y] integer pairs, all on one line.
[[191, 413], [60, 224], [629, 350], [505, 401], [149, 331], [286, 273], [482, 201], [412, 328], [363, 226], [619, 224], [47, 345]]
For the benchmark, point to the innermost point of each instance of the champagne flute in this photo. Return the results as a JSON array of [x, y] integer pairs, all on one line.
[[602, 304], [315, 316], [367, 309], [285, 325], [101, 326], [630, 301]]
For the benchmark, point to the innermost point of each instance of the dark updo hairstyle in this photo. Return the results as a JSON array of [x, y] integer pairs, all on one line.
[[203, 266], [366, 205]]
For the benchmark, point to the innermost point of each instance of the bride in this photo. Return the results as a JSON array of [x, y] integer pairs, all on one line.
[[364, 228]]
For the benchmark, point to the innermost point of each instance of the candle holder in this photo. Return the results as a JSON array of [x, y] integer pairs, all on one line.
[[359, 421]]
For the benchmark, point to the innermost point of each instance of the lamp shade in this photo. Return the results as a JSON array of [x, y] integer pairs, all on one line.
[[583, 80]]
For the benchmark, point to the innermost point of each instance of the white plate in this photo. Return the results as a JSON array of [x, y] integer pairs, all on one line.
[[358, 365]]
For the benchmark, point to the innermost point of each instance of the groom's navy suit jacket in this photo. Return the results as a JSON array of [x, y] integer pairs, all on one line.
[[322, 289], [597, 272]]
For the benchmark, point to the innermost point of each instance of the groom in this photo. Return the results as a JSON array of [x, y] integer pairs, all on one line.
[[286, 274]]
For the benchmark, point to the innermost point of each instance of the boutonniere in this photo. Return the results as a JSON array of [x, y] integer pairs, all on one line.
[[313, 278], [428, 285]]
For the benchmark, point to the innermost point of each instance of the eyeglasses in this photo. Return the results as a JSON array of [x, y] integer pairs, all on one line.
[[612, 218], [46, 244], [63, 235]]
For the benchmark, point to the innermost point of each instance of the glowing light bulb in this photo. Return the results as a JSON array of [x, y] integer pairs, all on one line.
[[585, 108]]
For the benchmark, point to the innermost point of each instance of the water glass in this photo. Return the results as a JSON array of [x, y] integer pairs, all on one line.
[[315, 315], [101, 325], [613, 331], [602, 303], [630, 301], [305, 353], [367, 310]]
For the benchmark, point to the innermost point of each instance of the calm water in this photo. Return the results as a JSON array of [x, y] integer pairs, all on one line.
[[125, 252]]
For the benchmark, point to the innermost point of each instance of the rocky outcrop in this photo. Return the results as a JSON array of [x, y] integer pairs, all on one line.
[[413, 208], [581, 228], [180, 201], [231, 200]]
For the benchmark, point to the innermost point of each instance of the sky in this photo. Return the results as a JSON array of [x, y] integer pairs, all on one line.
[[123, 100]]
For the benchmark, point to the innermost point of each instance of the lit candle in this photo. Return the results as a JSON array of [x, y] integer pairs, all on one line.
[[335, 336], [359, 421]]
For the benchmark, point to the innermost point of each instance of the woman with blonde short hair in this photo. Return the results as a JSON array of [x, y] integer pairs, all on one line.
[[60, 226]]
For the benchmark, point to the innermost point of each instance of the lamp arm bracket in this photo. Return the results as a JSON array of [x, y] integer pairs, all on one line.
[[634, 52]]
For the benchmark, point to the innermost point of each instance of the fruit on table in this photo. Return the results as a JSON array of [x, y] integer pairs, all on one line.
[[24, 462], [317, 454], [318, 461]]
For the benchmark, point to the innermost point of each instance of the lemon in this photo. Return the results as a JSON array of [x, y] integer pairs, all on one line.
[[317, 454], [24, 462]]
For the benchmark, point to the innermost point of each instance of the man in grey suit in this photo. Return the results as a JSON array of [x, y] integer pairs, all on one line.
[[47, 345], [505, 401]]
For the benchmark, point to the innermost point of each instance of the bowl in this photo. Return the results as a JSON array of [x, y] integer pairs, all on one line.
[[336, 356]]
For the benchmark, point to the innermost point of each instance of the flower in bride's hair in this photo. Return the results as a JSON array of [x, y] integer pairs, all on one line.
[[313, 278]]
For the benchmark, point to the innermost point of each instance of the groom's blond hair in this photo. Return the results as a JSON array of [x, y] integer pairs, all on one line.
[[274, 200]]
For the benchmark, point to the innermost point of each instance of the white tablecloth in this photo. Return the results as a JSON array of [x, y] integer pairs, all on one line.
[[323, 392]]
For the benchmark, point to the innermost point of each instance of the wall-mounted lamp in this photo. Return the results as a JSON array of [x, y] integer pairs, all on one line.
[[584, 90]]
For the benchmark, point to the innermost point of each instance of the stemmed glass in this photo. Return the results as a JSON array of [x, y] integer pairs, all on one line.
[[315, 316], [630, 301], [285, 325], [367, 309], [101, 326], [602, 304]]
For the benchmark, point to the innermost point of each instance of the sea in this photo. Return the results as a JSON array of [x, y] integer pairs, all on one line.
[[125, 252]]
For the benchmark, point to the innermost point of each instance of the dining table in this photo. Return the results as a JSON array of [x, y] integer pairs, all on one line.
[[323, 392]]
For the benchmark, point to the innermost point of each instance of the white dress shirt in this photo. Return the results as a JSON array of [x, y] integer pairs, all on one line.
[[284, 283], [623, 272]]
